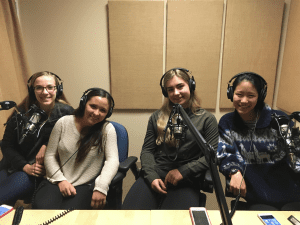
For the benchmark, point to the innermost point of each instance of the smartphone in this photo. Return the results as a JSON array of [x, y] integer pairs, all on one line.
[[199, 216], [293, 220], [268, 219], [4, 209]]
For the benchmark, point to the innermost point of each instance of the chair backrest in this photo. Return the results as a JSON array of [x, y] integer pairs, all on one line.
[[122, 140]]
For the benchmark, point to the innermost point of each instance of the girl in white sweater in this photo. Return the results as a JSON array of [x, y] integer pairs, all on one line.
[[82, 149]]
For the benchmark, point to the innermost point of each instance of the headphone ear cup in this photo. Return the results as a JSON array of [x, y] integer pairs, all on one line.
[[230, 92], [262, 95], [59, 90], [164, 92], [31, 93], [192, 84], [82, 103], [109, 113]]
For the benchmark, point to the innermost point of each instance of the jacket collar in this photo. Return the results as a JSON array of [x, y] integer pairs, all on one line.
[[263, 121], [56, 112]]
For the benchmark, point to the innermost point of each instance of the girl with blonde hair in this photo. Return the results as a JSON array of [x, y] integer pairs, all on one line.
[[171, 169]]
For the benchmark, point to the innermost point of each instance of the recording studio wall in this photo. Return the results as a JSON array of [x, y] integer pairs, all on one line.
[[288, 93], [207, 37], [136, 32], [251, 42], [194, 32]]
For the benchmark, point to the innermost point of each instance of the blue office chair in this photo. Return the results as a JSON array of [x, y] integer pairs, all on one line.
[[206, 185], [114, 195]]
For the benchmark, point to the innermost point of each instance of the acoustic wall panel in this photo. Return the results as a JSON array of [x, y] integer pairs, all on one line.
[[251, 43], [288, 95], [194, 30], [136, 53]]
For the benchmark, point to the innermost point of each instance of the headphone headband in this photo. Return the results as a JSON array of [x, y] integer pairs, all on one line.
[[176, 68], [28, 82], [192, 83], [261, 96], [83, 100]]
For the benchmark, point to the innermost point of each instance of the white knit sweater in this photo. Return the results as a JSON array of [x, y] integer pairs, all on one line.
[[63, 141]]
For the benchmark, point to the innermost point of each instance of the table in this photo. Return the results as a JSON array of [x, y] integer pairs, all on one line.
[[139, 217], [182, 217]]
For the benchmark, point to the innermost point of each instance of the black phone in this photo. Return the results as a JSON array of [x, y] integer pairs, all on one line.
[[293, 220]]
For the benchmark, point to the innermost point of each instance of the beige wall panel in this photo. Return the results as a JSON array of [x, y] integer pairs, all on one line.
[[69, 38], [194, 30], [252, 38], [288, 95], [136, 53]]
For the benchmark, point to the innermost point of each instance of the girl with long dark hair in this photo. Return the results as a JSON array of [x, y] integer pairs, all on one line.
[[82, 150]]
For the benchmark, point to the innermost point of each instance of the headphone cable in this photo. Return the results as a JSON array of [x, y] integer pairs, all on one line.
[[244, 172]]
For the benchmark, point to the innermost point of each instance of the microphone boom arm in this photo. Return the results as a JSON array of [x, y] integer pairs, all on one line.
[[209, 154]]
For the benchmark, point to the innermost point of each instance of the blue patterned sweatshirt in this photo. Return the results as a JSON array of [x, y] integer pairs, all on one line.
[[269, 176]]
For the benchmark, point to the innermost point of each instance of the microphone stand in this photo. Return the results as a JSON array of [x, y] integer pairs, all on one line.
[[289, 135], [209, 154]]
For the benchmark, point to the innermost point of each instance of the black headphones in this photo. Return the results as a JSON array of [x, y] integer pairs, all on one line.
[[83, 100], [192, 82], [59, 87], [261, 96]]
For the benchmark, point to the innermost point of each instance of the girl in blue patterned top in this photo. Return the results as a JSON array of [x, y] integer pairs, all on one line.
[[250, 153]]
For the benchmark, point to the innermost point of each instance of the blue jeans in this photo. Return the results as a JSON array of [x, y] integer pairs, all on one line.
[[15, 186]]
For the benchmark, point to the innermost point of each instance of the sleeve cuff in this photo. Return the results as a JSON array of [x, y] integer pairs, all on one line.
[[101, 190], [150, 178], [184, 171]]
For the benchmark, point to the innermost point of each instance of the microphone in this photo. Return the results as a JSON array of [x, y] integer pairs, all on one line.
[[6, 105], [281, 124], [178, 127], [32, 124]]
